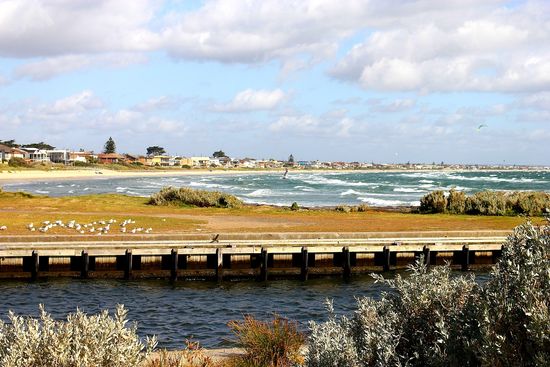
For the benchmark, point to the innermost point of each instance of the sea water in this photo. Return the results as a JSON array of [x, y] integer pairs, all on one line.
[[308, 188]]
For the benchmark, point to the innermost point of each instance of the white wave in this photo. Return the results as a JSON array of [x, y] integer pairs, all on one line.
[[41, 191], [86, 189], [260, 193], [350, 192], [427, 186], [305, 188], [408, 189], [495, 179], [60, 186], [335, 181], [259, 202], [121, 189], [71, 191], [426, 181], [208, 185]]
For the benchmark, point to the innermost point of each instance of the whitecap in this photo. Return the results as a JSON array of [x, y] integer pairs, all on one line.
[[350, 192], [260, 193], [42, 192], [408, 189]]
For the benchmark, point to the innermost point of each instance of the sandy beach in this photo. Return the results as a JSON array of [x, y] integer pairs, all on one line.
[[14, 176]]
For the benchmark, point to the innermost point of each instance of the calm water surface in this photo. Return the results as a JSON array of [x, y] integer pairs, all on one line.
[[198, 310]]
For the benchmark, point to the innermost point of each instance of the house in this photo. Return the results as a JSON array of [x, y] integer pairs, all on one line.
[[174, 161], [184, 161], [7, 153], [36, 155], [58, 156], [110, 158], [130, 158], [82, 157], [160, 160], [200, 161]]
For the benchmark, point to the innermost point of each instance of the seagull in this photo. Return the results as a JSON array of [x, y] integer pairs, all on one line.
[[215, 238], [481, 126]]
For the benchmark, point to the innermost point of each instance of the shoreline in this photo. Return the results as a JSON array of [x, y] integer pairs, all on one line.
[[23, 176]]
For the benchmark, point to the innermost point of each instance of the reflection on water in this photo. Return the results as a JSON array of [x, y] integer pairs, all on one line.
[[198, 310]]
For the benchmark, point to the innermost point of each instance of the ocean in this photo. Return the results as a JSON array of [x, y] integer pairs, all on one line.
[[309, 189]]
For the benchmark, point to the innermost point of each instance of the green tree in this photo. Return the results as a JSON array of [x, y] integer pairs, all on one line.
[[155, 150], [110, 146], [10, 143], [41, 146], [291, 159], [219, 154]]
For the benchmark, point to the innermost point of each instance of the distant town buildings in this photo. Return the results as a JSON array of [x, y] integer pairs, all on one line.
[[83, 158]]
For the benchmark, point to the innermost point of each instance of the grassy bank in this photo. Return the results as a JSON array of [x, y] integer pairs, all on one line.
[[17, 210]]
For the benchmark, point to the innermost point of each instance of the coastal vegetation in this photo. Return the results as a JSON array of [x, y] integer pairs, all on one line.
[[100, 340], [435, 318], [18, 209], [185, 196], [498, 203]]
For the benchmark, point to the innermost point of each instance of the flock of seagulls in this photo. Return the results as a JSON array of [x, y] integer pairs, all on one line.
[[98, 228]]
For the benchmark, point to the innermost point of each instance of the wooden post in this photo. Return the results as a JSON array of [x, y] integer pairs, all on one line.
[[174, 265], [305, 269], [426, 251], [35, 262], [386, 256], [219, 266], [128, 265], [465, 257], [84, 264], [346, 259], [263, 265]]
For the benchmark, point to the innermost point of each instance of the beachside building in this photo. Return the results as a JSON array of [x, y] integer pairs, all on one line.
[[110, 158], [184, 161], [7, 153], [58, 156], [36, 155], [200, 161], [160, 160], [82, 157]]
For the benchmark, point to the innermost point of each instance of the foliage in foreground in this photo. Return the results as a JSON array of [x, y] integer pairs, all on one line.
[[433, 318], [487, 203], [84, 341], [191, 356], [273, 343], [202, 198]]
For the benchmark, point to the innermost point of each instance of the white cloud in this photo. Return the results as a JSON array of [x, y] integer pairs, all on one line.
[[497, 50], [253, 100], [333, 123], [53, 66], [34, 28], [396, 105]]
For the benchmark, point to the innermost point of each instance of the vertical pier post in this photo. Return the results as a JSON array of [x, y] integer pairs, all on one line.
[[84, 264], [174, 265], [35, 262], [263, 265], [219, 264], [426, 251], [128, 265], [386, 256], [346, 258], [305, 268], [465, 257]]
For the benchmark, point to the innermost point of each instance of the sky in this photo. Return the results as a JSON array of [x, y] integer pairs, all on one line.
[[459, 81]]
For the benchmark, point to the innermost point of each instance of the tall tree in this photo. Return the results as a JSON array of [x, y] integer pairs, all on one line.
[[291, 159], [10, 143], [155, 150], [219, 154], [110, 146]]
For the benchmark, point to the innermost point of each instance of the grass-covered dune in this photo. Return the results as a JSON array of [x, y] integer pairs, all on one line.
[[17, 210]]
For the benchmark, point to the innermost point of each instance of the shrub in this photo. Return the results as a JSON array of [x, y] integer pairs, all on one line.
[[191, 356], [363, 208], [274, 343], [343, 208], [17, 162], [529, 203], [434, 202], [487, 203], [433, 318], [295, 206], [200, 198], [81, 164], [456, 202], [84, 341]]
